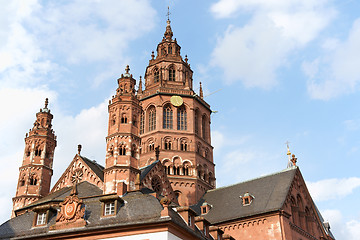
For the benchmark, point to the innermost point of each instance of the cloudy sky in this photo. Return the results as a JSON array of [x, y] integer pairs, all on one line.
[[275, 70]]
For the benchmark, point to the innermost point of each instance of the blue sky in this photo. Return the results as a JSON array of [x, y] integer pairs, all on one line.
[[281, 70]]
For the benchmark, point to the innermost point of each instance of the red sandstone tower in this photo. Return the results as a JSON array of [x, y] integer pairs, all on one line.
[[36, 169], [178, 121], [123, 141]]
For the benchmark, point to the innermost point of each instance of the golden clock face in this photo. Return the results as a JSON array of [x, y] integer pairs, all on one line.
[[177, 101]]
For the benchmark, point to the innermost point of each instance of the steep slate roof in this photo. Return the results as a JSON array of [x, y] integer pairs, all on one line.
[[97, 168], [145, 170], [138, 208], [269, 191], [85, 189]]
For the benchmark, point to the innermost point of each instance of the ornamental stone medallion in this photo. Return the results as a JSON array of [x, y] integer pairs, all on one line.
[[71, 213]]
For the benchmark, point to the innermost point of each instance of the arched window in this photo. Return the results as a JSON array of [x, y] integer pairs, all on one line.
[[167, 144], [142, 123], [151, 147], [122, 150], [38, 151], [204, 126], [197, 121], [168, 117], [183, 145], [169, 49], [123, 119], [152, 119], [33, 180], [172, 74], [156, 75], [181, 119]]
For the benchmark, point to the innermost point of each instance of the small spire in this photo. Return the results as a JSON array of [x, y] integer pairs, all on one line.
[[201, 91], [79, 149], [140, 86], [46, 102], [186, 59]]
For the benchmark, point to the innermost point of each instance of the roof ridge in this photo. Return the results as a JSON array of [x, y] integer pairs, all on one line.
[[257, 178]]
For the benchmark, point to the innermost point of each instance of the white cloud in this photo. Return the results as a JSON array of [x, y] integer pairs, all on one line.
[[352, 125], [253, 53], [349, 230], [340, 73], [332, 188]]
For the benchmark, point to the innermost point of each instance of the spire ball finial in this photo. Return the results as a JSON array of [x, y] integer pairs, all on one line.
[[46, 102]]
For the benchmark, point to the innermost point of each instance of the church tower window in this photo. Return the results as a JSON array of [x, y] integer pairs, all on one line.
[[181, 119], [142, 123], [168, 118], [123, 119], [197, 121], [33, 180], [204, 127], [152, 119], [167, 144], [156, 75], [169, 49], [122, 150], [183, 145], [172, 74]]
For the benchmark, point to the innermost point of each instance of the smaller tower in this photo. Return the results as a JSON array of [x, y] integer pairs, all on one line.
[[36, 169], [123, 141]]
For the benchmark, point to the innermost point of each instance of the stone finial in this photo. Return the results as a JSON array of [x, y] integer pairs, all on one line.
[[293, 160], [46, 102], [152, 55], [79, 149], [140, 86], [201, 91], [186, 59], [157, 152]]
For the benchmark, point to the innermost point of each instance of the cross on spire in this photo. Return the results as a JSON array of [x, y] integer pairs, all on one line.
[[168, 13], [127, 69]]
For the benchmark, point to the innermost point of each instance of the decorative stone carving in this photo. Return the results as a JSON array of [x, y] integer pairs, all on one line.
[[71, 214]]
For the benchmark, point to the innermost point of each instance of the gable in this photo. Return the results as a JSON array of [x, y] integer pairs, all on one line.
[[84, 170], [155, 178], [304, 217]]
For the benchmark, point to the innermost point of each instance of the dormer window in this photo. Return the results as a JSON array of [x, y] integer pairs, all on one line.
[[110, 204], [41, 219], [247, 199], [109, 208]]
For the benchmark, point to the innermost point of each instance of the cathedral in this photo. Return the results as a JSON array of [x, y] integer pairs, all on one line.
[[159, 180]]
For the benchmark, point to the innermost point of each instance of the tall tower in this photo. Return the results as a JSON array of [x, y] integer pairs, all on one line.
[[36, 169], [123, 141], [177, 120]]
